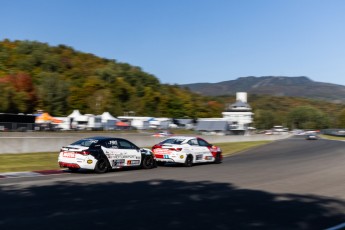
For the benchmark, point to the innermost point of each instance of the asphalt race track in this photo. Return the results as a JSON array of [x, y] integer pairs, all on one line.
[[288, 184]]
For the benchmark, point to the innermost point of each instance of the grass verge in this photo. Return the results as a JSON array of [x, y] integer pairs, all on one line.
[[329, 137], [230, 148], [28, 162], [48, 161]]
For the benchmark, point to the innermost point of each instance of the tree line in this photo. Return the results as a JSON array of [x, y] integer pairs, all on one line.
[[36, 76], [58, 79]]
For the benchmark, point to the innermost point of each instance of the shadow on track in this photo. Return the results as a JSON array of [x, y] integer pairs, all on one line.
[[163, 205]]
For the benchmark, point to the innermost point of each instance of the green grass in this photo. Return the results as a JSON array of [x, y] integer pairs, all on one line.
[[230, 148], [28, 162], [332, 137], [48, 161]]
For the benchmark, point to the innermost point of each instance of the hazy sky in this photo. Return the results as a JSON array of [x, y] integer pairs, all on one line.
[[190, 41]]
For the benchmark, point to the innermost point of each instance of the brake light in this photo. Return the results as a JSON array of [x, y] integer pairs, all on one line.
[[214, 149], [85, 153], [156, 147], [175, 149]]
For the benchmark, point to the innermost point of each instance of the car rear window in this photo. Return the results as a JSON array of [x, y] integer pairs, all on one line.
[[173, 141], [85, 142]]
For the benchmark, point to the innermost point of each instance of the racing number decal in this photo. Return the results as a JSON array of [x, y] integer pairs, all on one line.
[[133, 162]]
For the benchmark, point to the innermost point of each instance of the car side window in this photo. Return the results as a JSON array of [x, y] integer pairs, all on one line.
[[193, 142], [125, 145], [110, 144], [203, 143], [113, 144], [104, 144]]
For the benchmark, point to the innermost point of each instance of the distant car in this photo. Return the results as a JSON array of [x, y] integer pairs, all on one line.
[[162, 134], [104, 153], [311, 137], [187, 151]]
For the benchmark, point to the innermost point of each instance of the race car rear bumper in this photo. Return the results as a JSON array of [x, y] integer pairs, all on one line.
[[171, 160], [69, 165]]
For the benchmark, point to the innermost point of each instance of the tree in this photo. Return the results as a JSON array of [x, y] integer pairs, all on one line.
[[264, 119], [307, 117], [341, 119], [53, 94], [150, 102], [18, 93], [101, 100], [6, 102]]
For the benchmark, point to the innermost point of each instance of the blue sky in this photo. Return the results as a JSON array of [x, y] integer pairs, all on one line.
[[192, 41]]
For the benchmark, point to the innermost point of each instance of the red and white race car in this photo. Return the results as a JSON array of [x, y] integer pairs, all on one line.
[[187, 151]]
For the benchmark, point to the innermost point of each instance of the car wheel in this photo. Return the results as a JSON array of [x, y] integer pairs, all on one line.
[[148, 162], [189, 161], [160, 163], [73, 169], [101, 166], [218, 159]]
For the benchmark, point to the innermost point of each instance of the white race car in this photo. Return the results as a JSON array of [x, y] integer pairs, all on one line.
[[187, 151], [103, 153]]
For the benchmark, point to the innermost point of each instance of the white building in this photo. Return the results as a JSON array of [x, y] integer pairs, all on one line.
[[160, 123], [87, 121], [137, 122], [239, 114], [108, 121]]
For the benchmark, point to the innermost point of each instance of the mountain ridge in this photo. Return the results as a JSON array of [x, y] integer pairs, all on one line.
[[300, 86]]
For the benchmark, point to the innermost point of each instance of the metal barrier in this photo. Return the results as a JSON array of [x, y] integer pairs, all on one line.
[[334, 132], [14, 126], [29, 142]]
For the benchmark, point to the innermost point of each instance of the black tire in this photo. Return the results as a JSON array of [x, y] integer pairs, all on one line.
[[189, 161], [218, 159], [73, 169], [102, 166], [148, 162], [160, 163]]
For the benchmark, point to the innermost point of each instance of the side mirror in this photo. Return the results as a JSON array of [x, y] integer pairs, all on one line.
[[142, 150]]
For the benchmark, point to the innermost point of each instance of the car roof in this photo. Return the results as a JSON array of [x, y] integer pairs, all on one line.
[[102, 138], [186, 138], [98, 138], [181, 137]]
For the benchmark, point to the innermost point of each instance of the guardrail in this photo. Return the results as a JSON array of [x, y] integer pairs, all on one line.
[[26, 142], [334, 132]]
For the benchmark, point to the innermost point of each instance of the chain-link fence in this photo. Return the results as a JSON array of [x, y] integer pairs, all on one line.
[[15, 126]]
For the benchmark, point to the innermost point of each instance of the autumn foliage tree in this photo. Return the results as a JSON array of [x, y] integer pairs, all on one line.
[[34, 75], [18, 93], [58, 79]]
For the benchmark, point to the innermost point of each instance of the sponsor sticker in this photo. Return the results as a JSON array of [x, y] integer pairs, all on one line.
[[89, 161], [68, 154], [133, 162], [181, 156], [124, 155], [208, 158], [162, 151], [118, 162], [198, 157]]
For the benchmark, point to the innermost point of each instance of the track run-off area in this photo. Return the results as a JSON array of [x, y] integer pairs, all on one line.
[[291, 183]]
